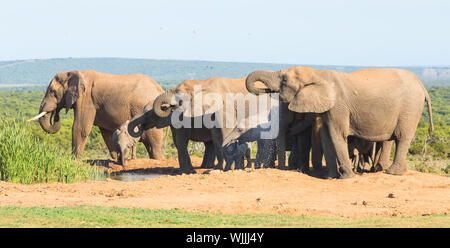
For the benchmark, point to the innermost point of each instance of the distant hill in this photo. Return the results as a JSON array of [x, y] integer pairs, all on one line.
[[170, 72]]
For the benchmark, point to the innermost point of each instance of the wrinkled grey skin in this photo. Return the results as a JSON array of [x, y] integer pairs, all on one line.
[[360, 151], [181, 136], [236, 153], [166, 103], [101, 99], [267, 148], [124, 142], [375, 104]]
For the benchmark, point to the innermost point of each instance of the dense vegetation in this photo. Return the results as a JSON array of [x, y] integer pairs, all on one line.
[[24, 158]]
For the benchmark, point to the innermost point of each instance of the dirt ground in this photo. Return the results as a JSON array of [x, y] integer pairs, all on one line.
[[268, 191]]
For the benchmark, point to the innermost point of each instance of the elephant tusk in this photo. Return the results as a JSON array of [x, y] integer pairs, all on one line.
[[36, 118]]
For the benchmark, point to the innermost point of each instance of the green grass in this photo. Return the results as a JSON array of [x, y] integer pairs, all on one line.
[[93, 216], [27, 159]]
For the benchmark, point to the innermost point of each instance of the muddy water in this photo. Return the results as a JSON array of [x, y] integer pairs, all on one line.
[[133, 177]]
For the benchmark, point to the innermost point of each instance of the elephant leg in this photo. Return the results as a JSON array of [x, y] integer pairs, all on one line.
[[153, 142], [181, 143], [316, 150], [365, 162], [259, 154], [209, 155], [133, 155], [383, 152], [248, 156], [107, 138], [219, 161], [355, 161], [329, 152], [304, 146], [228, 162], [239, 162], [282, 150], [307, 150], [339, 141], [293, 160], [217, 139], [399, 166], [270, 155], [219, 155], [81, 128]]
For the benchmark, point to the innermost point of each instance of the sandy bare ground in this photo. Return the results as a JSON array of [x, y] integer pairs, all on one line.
[[269, 191]]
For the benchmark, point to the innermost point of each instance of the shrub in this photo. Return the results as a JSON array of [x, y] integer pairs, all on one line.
[[27, 159]]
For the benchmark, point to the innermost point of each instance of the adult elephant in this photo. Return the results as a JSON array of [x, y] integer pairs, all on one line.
[[171, 109], [149, 120], [372, 104], [100, 99]]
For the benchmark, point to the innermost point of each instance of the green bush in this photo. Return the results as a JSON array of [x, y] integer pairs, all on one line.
[[27, 159]]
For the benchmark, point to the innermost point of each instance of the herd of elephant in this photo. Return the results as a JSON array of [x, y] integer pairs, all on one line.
[[350, 119]]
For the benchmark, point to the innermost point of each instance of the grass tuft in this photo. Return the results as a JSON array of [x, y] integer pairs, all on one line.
[[27, 159]]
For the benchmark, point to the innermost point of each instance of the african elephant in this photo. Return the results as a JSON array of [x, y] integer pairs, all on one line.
[[266, 148], [100, 99], [173, 108], [373, 104], [236, 152], [148, 120], [124, 142]]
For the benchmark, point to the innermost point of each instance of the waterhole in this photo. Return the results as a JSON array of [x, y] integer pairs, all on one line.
[[132, 176]]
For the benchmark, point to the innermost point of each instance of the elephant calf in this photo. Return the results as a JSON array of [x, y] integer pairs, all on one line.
[[360, 152], [124, 142], [236, 153]]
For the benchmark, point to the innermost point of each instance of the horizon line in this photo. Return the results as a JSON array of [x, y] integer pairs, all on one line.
[[219, 61]]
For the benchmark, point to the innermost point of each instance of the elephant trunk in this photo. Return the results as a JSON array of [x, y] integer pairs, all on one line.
[[140, 123], [46, 122], [163, 99], [122, 157], [266, 77], [136, 122]]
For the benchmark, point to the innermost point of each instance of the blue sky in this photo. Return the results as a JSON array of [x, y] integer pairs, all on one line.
[[346, 32]]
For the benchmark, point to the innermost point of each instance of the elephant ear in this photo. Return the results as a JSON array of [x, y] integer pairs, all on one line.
[[76, 86], [316, 96]]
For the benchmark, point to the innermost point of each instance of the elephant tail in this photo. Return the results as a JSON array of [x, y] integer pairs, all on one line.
[[430, 115]]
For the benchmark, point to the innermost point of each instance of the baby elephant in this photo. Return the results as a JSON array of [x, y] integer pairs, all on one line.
[[360, 152], [236, 153], [123, 142]]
